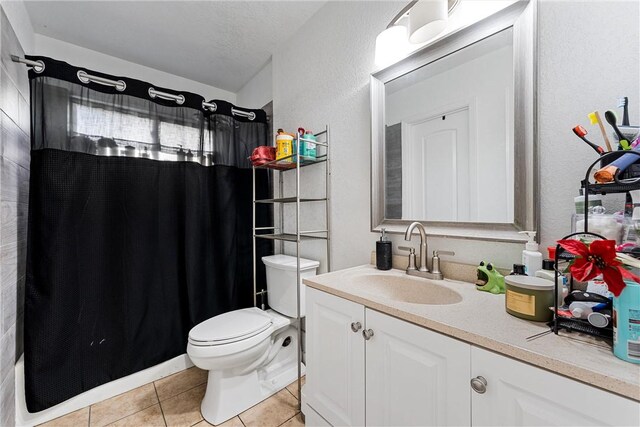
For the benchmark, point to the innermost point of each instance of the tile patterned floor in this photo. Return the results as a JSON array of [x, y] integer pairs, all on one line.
[[175, 401]]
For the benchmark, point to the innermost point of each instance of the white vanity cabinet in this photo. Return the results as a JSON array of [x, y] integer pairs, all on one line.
[[518, 394], [368, 368], [413, 376], [334, 358]]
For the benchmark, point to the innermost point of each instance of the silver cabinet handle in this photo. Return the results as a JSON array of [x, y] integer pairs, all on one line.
[[479, 384], [367, 334], [356, 326]]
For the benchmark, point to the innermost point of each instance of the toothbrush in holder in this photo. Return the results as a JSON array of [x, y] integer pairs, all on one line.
[[595, 118], [611, 118], [624, 104], [582, 134]]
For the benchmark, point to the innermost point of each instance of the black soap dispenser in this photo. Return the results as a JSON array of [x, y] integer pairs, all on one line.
[[383, 252]]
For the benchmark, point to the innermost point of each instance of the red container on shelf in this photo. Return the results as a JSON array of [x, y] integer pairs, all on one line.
[[262, 155]]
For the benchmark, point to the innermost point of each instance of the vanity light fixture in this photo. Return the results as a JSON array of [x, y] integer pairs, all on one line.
[[418, 22]]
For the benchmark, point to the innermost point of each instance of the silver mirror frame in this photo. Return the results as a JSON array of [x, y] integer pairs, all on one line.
[[521, 16]]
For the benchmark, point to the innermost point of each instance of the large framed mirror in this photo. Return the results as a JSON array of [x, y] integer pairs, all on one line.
[[454, 133]]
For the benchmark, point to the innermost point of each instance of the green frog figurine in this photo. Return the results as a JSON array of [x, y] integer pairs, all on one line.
[[489, 279]]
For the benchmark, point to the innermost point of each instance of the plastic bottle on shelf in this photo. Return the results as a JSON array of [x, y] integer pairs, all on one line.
[[309, 147], [284, 146]]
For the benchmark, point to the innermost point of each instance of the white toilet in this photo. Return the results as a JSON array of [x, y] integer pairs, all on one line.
[[251, 354]]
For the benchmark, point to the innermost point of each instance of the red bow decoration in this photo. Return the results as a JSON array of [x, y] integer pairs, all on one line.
[[599, 257]]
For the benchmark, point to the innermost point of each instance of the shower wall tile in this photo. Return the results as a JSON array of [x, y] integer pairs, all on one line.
[[9, 301], [13, 257], [8, 273], [7, 352], [14, 193], [10, 100], [17, 150], [7, 400], [13, 222], [9, 254], [11, 46], [14, 180]]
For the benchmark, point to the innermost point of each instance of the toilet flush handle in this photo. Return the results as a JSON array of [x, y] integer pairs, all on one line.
[[262, 294]]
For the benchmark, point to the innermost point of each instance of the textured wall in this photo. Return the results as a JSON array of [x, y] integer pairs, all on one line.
[[589, 56], [258, 91], [14, 193], [579, 70]]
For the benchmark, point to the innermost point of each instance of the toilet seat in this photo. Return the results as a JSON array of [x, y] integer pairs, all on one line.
[[231, 327]]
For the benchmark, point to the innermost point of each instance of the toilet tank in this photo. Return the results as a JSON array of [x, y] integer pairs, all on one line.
[[281, 281]]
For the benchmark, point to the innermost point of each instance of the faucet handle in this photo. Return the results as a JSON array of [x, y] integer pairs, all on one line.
[[412, 257], [437, 253], [435, 261]]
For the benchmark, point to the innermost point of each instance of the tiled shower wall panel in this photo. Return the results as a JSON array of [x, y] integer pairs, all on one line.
[[14, 194]]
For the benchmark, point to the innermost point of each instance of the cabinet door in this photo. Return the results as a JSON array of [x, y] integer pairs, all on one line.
[[518, 394], [415, 377], [335, 358]]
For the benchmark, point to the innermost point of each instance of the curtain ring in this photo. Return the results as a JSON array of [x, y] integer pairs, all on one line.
[[40, 66], [82, 76], [153, 93], [211, 106], [85, 78]]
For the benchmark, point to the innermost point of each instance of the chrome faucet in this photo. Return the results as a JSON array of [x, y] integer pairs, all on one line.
[[423, 244], [422, 269]]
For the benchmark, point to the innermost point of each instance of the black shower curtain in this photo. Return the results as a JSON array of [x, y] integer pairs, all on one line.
[[140, 216]]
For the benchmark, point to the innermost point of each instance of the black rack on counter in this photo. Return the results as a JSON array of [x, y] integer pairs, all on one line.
[[623, 182]]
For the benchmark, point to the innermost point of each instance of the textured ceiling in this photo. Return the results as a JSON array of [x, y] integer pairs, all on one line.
[[219, 43]]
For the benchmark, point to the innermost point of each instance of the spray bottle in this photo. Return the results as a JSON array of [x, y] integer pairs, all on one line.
[[531, 257]]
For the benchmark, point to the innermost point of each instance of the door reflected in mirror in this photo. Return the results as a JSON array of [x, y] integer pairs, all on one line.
[[449, 137]]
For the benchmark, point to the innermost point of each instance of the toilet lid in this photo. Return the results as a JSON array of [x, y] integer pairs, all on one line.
[[231, 326]]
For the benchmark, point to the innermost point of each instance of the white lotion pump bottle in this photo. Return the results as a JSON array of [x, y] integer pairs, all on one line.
[[531, 257]]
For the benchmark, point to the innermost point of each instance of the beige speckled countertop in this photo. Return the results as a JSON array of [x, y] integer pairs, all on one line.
[[480, 319]]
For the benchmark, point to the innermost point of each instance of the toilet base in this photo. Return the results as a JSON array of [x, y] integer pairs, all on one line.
[[229, 394]]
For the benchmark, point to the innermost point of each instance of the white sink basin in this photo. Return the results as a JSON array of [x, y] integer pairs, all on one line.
[[409, 289]]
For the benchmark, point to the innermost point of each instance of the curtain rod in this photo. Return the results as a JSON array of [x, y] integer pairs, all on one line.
[[120, 85], [38, 66]]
